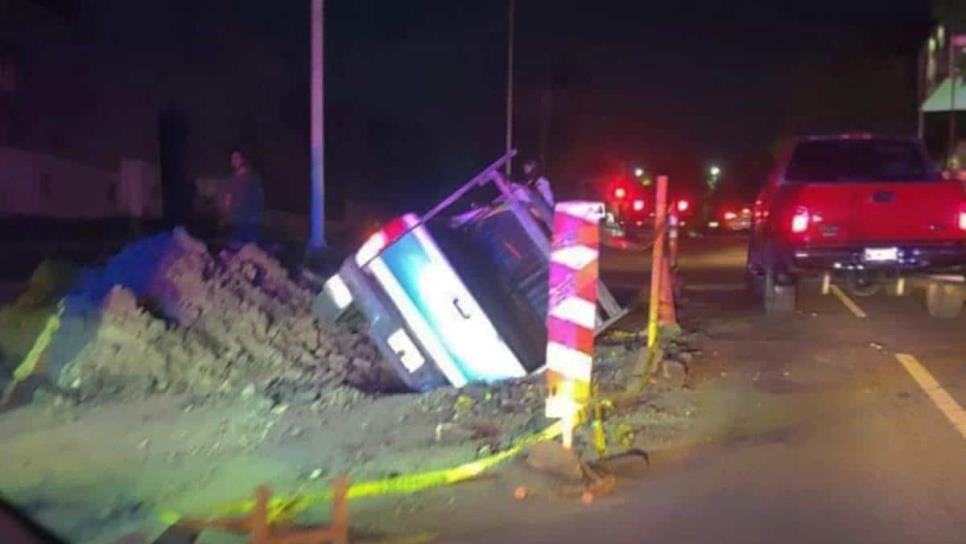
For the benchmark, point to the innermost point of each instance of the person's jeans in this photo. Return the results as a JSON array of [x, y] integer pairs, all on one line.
[[246, 233]]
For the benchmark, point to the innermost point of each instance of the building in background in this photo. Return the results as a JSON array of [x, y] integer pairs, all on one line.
[[942, 93], [41, 185]]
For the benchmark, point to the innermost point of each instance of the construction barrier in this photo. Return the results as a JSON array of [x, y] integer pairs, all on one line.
[[572, 310], [288, 507], [260, 528]]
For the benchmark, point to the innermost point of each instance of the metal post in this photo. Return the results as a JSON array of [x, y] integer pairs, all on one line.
[[509, 85], [317, 236], [546, 120], [672, 240], [667, 313], [921, 90], [952, 102], [826, 283], [901, 286], [660, 216]]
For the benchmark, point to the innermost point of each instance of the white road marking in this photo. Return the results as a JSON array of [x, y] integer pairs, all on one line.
[[939, 396], [946, 404], [848, 302]]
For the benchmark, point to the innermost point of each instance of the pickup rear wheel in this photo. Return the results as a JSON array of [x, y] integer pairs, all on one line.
[[754, 279], [863, 284], [754, 276], [944, 300], [779, 299], [755, 284], [778, 290]]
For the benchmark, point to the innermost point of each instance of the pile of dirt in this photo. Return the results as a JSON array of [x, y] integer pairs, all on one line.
[[166, 316]]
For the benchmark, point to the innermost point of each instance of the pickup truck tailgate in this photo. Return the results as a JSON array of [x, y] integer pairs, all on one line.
[[926, 211]]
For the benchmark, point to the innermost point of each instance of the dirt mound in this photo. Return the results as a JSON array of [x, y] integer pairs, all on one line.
[[22, 320], [165, 315]]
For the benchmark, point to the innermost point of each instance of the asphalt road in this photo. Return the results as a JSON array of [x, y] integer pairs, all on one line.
[[811, 429]]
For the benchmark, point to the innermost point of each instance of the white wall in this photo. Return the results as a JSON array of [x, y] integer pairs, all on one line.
[[139, 191], [43, 185]]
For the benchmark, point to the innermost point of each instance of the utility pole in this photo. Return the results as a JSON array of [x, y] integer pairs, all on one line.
[[509, 85], [317, 235]]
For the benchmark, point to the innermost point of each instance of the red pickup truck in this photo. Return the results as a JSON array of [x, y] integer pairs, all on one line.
[[863, 207]]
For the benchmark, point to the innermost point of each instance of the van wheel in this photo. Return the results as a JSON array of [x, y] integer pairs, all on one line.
[[945, 301]]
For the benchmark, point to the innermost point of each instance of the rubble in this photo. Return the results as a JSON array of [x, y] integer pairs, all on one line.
[[165, 315], [554, 459]]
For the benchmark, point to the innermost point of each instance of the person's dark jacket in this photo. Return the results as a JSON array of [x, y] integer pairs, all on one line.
[[244, 199]]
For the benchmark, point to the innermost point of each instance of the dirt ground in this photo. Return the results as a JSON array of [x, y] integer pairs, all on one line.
[[94, 473], [110, 454]]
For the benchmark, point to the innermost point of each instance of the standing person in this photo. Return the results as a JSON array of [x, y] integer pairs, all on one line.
[[534, 191], [533, 179], [244, 200], [956, 165]]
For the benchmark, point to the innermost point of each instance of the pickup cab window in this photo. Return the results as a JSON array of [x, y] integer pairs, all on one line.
[[856, 161]]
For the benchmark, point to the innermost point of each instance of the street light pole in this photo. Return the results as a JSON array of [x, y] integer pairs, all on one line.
[[317, 235], [509, 84], [951, 148]]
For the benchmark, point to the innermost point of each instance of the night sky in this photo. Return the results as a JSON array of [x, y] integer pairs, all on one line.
[[415, 89]]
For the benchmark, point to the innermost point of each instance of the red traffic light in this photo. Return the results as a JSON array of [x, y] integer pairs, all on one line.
[[620, 193], [638, 205], [683, 205]]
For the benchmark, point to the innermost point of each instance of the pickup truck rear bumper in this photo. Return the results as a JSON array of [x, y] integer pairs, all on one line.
[[909, 256]]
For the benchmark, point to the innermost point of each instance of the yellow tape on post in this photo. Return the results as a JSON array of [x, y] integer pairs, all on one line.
[[30, 363]]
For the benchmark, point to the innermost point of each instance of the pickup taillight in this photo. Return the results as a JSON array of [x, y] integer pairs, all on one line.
[[801, 220], [961, 220], [385, 236]]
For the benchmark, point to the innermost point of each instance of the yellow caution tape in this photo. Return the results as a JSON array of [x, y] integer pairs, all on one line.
[[29, 364], [600, 439], [285, 507]]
